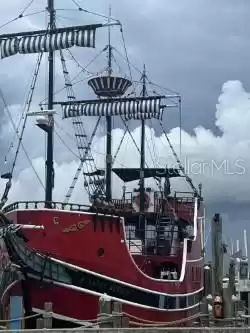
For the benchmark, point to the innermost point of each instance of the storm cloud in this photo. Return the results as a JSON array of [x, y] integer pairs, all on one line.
[[199, 48]]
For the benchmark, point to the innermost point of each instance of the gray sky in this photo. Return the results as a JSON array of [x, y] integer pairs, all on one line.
[[189, 46]]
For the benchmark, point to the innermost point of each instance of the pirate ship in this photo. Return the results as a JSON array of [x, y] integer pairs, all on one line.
[[144, 249]]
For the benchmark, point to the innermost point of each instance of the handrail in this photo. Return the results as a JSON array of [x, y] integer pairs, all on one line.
[[42, 204], [119, 204]]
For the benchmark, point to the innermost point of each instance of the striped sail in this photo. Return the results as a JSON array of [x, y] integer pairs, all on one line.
[[45, 41], [143, 108]]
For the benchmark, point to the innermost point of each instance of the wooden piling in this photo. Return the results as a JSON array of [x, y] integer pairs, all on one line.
[[48, 315]]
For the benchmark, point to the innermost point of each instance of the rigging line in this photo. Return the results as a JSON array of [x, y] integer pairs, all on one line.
[[13, 125], [188, 179], [140, 72], [65, 144], [153, 141], [27, 6], [27, 103], [146, 164], [126, 55], [119, 147], [208, 234], [102, 154], [150, 153], [161, 87], [90, 12], [126, 125], [172, 99], [20, 16], [118, 66], [34, 13], [124, 122], [42, 102], [64, 131], [28, 107], [81, 166], [70, 91], [83, 69], [11, 145], [81, 144]]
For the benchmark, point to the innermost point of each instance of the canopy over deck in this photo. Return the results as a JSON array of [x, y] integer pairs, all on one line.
[[131, 174]]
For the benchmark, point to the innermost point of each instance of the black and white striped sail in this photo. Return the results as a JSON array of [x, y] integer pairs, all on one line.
[[45, 40], [132, 108]]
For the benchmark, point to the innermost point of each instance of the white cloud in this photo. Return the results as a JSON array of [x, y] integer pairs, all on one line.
[[221, 163]]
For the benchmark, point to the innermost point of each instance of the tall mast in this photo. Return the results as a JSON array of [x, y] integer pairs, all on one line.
[[49, 158], [142, 164], [109, 127]]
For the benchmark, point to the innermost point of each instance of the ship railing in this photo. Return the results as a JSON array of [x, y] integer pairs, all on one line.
[[125, 204], [181, 202], [30, 205], [152, 242]]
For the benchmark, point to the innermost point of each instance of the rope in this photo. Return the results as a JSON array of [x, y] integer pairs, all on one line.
[[89, 12], [21, 15], [162, 324], [20, 318], [188, 179], [140, 321]]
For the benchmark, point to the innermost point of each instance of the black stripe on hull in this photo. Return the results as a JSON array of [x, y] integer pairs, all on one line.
[[47, 268]]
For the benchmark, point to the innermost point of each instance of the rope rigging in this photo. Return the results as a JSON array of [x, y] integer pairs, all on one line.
[[188, 179], [20, 137], [80, 168], [22, 15], [92, 184]]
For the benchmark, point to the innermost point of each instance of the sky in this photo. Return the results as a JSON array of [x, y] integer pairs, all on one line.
[[199, 48]]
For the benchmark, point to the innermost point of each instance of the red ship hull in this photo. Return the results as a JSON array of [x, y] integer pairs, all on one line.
[[76, 237], [88, 306]]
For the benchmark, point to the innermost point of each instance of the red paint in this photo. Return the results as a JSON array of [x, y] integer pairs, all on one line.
[[80, 247]]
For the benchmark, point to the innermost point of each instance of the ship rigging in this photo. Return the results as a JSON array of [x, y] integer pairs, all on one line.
[[153, 231], [94, 181]]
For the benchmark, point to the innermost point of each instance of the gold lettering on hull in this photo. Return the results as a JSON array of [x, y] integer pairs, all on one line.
[[76, 227]]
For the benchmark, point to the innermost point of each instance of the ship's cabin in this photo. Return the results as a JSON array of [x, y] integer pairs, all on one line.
[[155, 238]]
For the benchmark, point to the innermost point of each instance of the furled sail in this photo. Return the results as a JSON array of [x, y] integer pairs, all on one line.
[[131, 108], [48, 40]]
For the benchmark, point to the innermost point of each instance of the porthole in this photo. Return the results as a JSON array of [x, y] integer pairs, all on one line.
[[100, 252]]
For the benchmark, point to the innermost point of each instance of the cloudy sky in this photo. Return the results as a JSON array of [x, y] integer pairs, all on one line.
[[199, 48]]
